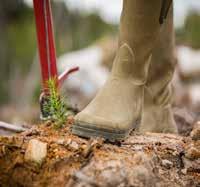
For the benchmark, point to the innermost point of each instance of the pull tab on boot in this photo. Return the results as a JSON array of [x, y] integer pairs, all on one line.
[[164, 10]]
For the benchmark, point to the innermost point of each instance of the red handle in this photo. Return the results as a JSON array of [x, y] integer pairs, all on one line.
[[45, 37]]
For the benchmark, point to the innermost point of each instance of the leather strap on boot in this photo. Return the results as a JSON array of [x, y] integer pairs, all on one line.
[[164, 10]]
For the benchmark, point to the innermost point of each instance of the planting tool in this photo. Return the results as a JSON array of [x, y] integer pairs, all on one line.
[[47, 52]]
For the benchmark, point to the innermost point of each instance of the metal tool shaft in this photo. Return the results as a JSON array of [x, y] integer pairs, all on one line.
[[45, 37]]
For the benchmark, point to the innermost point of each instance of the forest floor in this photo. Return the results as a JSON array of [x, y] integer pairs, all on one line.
[[69, 161]]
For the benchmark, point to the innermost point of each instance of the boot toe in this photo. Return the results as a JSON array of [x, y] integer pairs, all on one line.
[[94, 121], [87, 125]]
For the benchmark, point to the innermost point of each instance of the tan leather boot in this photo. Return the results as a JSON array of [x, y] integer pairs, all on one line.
[[116, 108], [157, 113]]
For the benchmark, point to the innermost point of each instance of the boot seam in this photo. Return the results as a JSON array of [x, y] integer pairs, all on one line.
[[132, 52]]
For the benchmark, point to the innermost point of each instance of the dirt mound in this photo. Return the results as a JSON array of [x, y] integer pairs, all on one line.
[[141, 160]]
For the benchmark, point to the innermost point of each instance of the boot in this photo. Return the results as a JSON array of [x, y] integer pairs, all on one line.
[[116, 108], [157, 113]]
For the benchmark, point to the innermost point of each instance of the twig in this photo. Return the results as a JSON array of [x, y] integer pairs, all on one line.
[[11, 127]]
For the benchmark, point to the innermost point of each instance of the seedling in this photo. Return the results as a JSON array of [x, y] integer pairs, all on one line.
[[56, 106]]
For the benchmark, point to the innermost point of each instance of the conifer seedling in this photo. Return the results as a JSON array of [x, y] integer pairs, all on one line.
[[55, 105]]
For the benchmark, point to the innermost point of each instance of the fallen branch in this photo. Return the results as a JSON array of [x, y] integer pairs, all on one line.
[[11, 127]]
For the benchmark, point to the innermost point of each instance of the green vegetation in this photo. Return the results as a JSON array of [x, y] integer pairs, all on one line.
[[55, 107], [190, 33]]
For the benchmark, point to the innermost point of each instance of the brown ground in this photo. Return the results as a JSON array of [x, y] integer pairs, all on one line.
[[141, 160]]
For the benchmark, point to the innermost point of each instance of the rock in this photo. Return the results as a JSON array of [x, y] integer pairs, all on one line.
[[73, 145], [184, 120], [195, 134], [167, 164], [192, 152], [60, 141], [68, 142], [184, 171], [191, 165], [36, 151]]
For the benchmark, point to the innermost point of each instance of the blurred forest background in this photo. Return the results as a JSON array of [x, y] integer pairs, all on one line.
[[74, 31]]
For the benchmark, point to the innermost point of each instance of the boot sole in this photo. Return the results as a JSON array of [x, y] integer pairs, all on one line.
[[85, 130]]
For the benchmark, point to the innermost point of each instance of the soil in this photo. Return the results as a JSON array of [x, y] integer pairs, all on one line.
[[141, 160]]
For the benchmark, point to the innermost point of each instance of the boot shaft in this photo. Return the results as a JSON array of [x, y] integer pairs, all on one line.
[[163, 63], [139, 29]]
